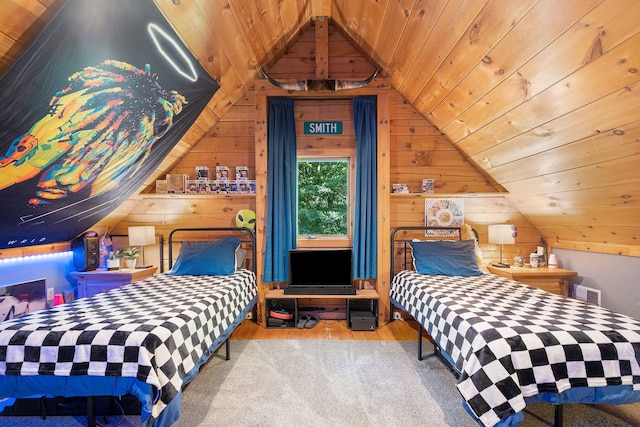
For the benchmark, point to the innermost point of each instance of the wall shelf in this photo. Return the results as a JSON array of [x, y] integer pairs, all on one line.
[[189, 195], [447, 195]]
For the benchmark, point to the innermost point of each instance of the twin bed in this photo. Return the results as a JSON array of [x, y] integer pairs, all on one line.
[[510, 343], [147, 339]]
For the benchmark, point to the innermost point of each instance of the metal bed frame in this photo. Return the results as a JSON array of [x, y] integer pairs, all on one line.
[[251, 240], [558, 417], [405, 263], [90, 400]]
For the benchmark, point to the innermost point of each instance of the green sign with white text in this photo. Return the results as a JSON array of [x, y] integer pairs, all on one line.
[[323, 128]]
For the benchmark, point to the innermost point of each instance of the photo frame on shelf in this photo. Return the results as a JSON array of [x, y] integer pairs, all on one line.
[[400, 189]]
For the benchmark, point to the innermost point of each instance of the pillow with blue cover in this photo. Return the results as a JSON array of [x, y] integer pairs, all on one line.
[[207, 258], [445, 257]]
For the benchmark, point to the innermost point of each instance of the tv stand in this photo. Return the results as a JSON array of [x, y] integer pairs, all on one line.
[[362, 301], [320, 291]]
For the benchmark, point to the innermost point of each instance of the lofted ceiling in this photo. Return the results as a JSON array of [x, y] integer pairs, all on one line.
[[541, 95]]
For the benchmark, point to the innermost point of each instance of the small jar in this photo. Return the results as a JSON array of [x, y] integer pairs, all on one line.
[[518, 261]]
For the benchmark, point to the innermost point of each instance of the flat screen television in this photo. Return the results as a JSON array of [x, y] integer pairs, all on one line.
[[320, 271]]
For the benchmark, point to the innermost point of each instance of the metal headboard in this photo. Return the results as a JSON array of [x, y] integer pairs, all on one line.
[[249, 237], [405, 240]]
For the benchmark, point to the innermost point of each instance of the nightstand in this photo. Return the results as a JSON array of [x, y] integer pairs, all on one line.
[[554, 280], [96, 281]]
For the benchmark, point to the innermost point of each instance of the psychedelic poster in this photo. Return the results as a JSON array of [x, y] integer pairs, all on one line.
[[87, 113], [443, 213]]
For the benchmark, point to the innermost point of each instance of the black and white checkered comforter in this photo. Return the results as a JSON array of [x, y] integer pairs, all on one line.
[[155, 330], [510, 341]]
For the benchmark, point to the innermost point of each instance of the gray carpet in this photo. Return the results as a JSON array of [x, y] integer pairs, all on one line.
[[326, 383], [319, 383]]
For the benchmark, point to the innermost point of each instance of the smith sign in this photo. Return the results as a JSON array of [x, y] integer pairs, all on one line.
[[323, 128]]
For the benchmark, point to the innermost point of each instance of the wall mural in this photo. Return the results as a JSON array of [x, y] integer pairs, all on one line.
[[87, 113]]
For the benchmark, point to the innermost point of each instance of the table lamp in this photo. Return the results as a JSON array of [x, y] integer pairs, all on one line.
[[502, 234], [141, 236]]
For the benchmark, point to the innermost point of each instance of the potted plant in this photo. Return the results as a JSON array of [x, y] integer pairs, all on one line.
[[113, 262], [129, 253]]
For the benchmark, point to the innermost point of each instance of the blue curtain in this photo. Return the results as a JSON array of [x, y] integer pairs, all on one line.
[[365, 232], [281, 189]]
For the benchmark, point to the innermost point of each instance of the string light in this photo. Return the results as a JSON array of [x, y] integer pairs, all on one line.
[[37, 257]]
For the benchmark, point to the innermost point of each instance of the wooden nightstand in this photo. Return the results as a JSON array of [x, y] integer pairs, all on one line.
[[554, 280], [96, 281]]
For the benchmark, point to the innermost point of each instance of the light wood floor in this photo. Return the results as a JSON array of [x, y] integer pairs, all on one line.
[[398, 330]]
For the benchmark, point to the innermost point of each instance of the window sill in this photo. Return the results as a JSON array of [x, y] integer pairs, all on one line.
[[324, 242]]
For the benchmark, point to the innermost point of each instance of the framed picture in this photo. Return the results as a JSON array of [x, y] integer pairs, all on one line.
[[443, 213], [22, 298]]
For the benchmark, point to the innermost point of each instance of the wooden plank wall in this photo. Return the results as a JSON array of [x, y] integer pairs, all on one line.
[[229, 143], [325, 110], [417, 150], [541, 94]]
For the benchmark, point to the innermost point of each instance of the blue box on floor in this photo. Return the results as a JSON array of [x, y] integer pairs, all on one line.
[[362, 321]]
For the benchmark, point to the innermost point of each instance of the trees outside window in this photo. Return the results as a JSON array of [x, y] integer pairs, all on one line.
[[323, 197]]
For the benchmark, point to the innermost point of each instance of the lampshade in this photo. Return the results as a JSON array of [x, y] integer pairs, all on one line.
[[142, 235], [503, 234]]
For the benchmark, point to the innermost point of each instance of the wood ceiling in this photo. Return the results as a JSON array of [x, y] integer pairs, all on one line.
[[541, 95]]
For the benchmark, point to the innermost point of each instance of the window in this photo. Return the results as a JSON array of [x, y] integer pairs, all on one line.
[[323, 198]]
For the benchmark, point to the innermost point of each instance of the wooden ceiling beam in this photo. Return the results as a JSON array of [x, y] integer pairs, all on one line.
[[322, 47], [320, 8]]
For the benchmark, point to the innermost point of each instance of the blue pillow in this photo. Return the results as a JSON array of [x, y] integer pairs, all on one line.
[[445, 257], [207, 258]]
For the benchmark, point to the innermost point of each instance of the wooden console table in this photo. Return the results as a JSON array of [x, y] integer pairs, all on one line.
[[363, 300], [101, 280], [554, 280]]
